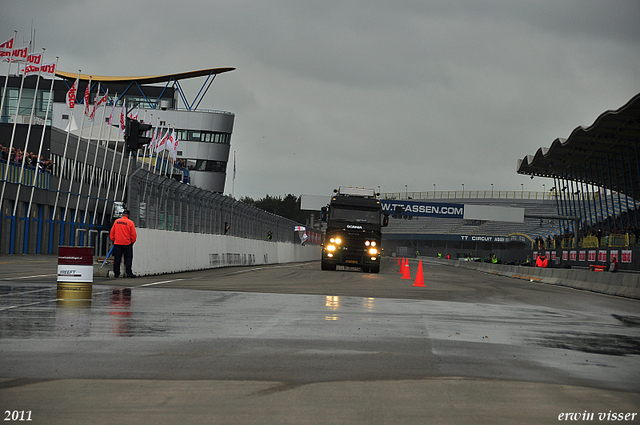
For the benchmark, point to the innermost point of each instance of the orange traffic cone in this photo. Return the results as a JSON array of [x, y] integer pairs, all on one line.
[[405, 273], [402, 265], [398, 261], [419, 276]]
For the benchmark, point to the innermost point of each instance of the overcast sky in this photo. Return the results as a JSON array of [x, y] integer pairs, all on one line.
[[376, 93]]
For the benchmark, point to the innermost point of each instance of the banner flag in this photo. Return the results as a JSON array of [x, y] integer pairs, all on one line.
[[20, 55], [123, 114], [71, 94], [154, 139], [86, 98], [48, 70], [97, 103], [6, 50], [161, 143], [113, 108], [32, 67], [174, 145]]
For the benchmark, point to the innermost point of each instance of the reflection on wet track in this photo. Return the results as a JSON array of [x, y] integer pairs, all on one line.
[[465, 338]]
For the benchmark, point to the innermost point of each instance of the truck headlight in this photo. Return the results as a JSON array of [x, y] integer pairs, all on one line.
[[337, 241], [373, 251], [331, 248]]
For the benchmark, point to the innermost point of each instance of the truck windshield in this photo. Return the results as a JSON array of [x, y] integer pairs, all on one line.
[[355, 216]]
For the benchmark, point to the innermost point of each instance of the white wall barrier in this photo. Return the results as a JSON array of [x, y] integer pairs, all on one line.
[[161, 251]]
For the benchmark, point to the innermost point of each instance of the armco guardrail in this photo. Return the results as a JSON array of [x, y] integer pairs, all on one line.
[[620, 284]]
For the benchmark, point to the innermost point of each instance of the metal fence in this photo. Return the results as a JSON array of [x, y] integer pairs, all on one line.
[[470, 194], [157, 202]]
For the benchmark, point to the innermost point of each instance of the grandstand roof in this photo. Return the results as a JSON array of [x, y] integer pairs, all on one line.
[[149, 79], [604, 154]]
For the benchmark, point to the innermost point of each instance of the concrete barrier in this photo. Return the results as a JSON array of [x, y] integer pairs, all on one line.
[[159, 252], [620, 283]]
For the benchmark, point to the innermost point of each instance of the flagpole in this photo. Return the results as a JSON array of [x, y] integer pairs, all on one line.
[[13, 135], [64, 153], [147, 145], [144, 152], [172, 151], [233, 181], [95, 156], [44, 129], [104, 163], [123, 116], [26, 143], [165, 163], [115, 190], [164, 154], [4, 91], [86, 155], [73, 170], [126, 175], [152, 145]]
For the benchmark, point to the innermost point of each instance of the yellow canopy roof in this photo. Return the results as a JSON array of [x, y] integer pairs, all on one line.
[[148, 79]]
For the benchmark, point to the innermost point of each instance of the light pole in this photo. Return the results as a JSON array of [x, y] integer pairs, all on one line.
[[406, 193], [491, 190], [462, 189], [434, 191]]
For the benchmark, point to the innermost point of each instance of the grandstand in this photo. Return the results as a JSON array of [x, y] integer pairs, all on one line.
[[407, 234]]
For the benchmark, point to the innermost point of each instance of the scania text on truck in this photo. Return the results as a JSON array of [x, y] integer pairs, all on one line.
[[354, 230]]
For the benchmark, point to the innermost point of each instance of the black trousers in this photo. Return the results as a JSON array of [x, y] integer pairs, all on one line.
[[118, 252]]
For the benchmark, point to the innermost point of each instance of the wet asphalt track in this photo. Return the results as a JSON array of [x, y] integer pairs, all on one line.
[[294, 344]]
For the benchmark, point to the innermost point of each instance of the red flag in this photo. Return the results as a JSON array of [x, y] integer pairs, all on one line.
[[5, 50], [71, 95]]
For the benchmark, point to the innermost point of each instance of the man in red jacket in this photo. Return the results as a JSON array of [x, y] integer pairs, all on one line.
[[123, 235]]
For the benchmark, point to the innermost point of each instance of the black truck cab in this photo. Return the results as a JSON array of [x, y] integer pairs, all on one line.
[[353, 235]]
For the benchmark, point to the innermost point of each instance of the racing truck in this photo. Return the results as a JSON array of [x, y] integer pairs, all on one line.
[[353, 235]]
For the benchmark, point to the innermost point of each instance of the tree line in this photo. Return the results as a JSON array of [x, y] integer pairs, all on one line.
[[287, 206]]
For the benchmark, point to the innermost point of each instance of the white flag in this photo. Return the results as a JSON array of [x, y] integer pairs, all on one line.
[[86, 98], [71, 95], [48, 70], [32, 66], [174, 145], [162, 141], [123, 114], [98, 102], [19, 55], [113, 108], [6, 49], [154, 139]]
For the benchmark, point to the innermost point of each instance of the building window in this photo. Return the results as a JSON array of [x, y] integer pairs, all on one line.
[[205, 165]]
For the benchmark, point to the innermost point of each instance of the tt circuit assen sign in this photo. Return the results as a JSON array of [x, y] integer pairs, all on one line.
[[424, 209]]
